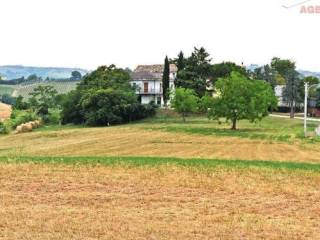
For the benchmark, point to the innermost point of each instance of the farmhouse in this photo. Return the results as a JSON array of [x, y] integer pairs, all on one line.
[[147, 80]]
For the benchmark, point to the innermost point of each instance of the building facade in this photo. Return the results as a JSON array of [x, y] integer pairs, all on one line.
[[147, 80]]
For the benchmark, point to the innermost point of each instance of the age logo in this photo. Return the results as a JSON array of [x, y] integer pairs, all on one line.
[[305, 7], [293, 4]]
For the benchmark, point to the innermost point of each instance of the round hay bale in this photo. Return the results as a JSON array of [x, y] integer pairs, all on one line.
[[19, 129], [34, 124], [38, 123], [27, 127]]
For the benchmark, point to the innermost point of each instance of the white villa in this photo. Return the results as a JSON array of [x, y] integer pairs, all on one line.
[[148, 82]]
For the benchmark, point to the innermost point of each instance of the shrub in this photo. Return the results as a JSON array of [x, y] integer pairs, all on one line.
[[4, 128], [185, 101], [104, 97], [8, 99], [53, 117], [20, 104], [19, 117]]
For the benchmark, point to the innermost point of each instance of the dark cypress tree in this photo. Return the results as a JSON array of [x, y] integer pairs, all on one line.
[[166, 80], [180, 61]]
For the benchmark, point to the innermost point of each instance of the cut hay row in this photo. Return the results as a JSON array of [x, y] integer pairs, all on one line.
[[134, 140], [28, 127]]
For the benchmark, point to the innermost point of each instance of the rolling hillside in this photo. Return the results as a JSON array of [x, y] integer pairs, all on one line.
[[14, 72], [25, 90], [61, 87], [7, 89]]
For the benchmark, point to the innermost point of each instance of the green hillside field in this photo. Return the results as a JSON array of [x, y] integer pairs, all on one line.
[[25, 90]]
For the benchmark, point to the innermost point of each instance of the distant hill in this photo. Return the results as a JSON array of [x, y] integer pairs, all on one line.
[[309, 73], [305, 73], [14, 72], [24, 90]]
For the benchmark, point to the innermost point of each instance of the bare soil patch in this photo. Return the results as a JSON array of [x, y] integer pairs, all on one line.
[[5, 111]]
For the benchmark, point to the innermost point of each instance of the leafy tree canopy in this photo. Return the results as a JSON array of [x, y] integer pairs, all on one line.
[[76, 76], [196, 72], [104, 97], [224, 69], [241, 98], [185, 101], [106, 77], [43, 98], [282, 66]]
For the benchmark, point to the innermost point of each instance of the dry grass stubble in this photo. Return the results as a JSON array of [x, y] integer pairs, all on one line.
[[87, 202], [135, 141]]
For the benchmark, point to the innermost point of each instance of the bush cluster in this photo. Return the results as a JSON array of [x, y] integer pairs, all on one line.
[[104, 97]]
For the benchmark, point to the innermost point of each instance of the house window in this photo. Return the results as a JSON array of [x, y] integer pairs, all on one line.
[[158, 100], [161, 90]]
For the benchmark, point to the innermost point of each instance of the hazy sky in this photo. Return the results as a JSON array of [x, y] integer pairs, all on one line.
[[89, 33]]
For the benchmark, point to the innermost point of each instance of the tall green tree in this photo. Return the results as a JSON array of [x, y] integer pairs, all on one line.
[[266, 73], [166, 80], [184, 102], [43, 98], [224, 69], [104, 97], [75, 76], [291, 94], [282, 66], [180, 61], [241, 98], [311, 80], [33, 77], [196, 72]]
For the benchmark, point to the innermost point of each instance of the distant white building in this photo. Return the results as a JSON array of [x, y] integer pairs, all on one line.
[[278, 90], [147, 79]]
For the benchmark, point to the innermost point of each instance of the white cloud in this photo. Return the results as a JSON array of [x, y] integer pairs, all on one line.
[[88, 33]]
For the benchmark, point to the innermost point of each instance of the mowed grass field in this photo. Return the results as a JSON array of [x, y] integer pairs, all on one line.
[[272, 139], [161, 179]]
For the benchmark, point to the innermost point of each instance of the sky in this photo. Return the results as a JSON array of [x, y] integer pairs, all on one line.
[[90, 33]]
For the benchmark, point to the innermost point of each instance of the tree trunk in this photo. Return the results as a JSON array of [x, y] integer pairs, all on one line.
[[292, 110], [234, 124], [183, 117]]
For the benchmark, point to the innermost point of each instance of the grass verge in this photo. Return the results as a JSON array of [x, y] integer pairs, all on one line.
[[158, 161]]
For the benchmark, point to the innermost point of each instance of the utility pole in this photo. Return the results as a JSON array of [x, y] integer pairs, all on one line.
[[306, 90]]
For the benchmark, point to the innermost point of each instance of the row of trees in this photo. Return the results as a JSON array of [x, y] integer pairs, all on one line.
[[75, 76], [102, 97], [198, 74], [284, 72], [237, 97]]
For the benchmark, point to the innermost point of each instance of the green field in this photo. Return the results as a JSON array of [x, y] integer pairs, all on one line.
[[26, 89], [202, 164], [5, 89]]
